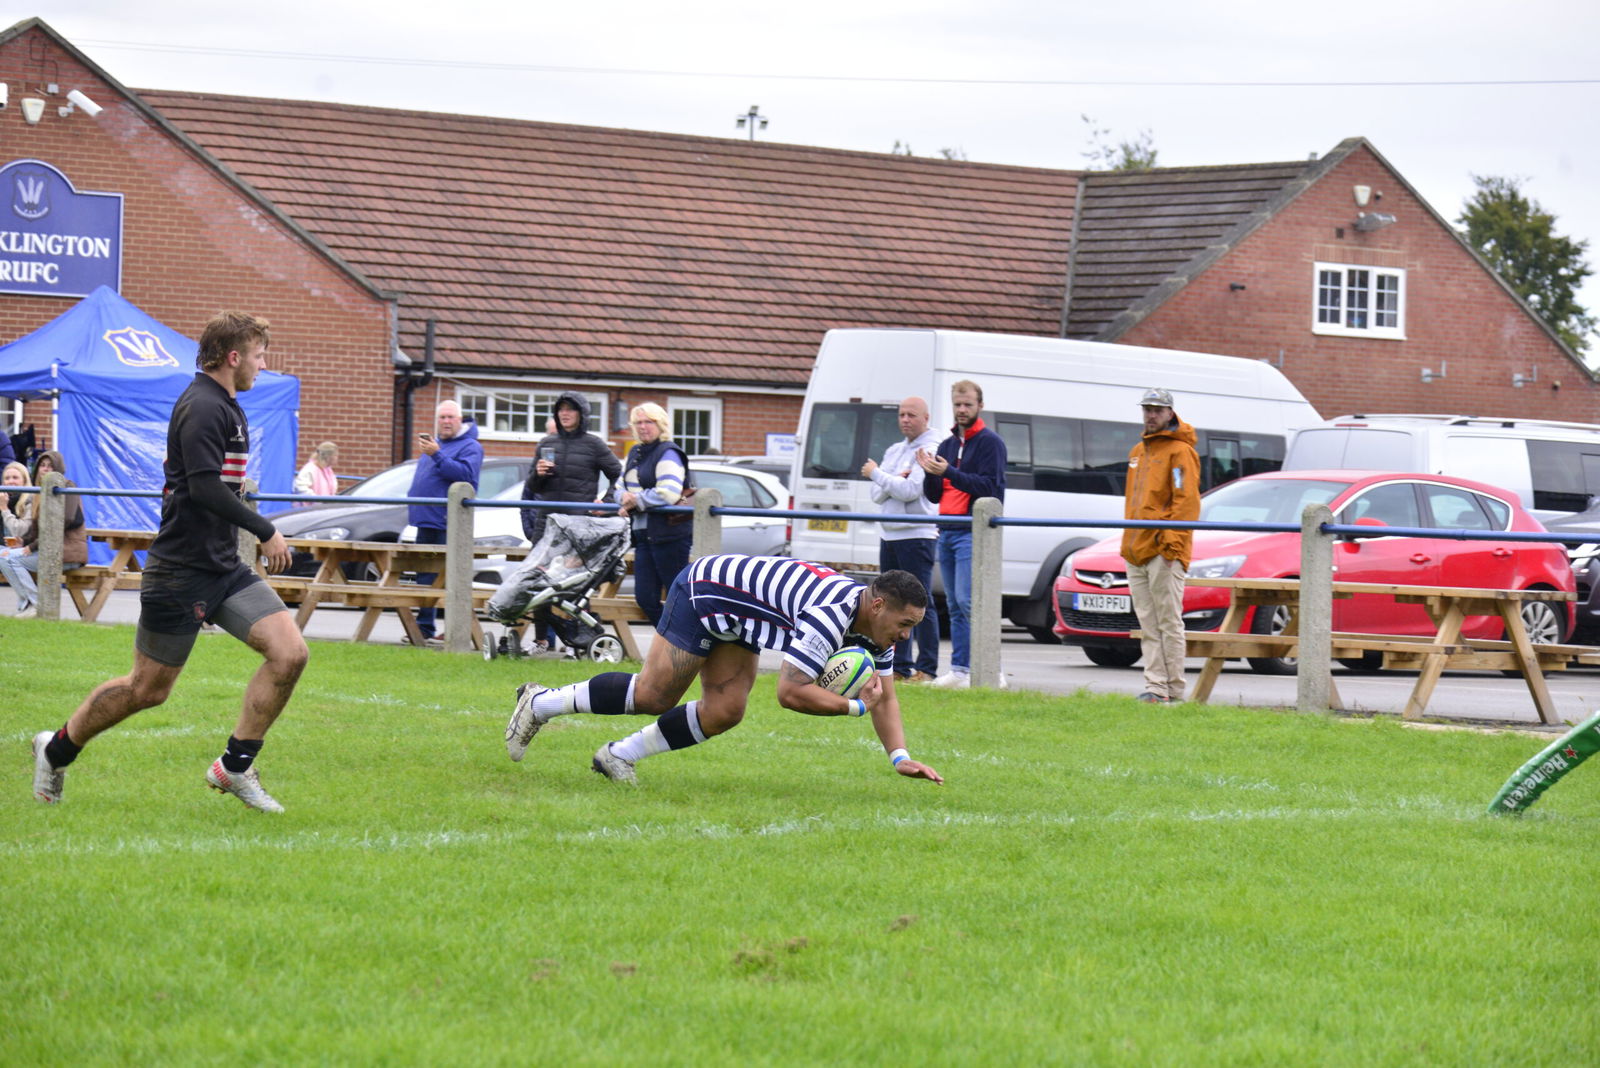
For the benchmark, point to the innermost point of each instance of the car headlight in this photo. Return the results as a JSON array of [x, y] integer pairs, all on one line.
[[501, 541], [328, 533], [1066, 566], [1216, 567]]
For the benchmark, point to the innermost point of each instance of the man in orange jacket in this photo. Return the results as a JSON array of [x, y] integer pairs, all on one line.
[[1163, 483]]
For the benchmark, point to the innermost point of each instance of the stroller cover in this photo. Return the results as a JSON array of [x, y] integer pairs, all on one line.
[[575, 554]]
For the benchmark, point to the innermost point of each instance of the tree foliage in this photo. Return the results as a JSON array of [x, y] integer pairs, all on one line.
[[1136, 155], [1518, 238]]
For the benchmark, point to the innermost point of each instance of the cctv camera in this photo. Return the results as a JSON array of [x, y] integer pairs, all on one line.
[[89, 107]]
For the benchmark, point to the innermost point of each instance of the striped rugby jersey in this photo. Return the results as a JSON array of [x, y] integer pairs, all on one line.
[[804, 609]]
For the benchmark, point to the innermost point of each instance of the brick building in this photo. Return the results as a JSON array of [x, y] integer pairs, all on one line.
[[701, 273], [195, 240]]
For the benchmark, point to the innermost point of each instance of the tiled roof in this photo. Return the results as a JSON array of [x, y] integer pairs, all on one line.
[[574, 250], [1138, 229]]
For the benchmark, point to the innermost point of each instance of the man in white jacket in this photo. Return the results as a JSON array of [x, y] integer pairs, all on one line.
[[908, 542]]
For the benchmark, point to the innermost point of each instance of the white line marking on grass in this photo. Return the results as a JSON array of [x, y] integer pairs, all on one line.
[[127, 732], [1421, 808]]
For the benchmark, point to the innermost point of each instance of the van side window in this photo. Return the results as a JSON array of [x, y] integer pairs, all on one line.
[[1105, 451], [1565, 474]]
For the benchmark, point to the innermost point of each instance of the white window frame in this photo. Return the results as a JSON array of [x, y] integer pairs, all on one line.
[[541, 405], [710, 405], [1366, 283]]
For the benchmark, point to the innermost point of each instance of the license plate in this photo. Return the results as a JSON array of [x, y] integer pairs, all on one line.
[[831, 526], [1102, 602]]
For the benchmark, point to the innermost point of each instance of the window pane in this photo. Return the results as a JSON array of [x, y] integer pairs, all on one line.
[[1386, 302], [883, 430], [691, 429], [831, 443], [1454, 509], [1329, 286], [1393, 504], [512, 413], [1355, 315], [475, 406]]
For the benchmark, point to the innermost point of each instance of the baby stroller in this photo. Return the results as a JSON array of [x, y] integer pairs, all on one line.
[[575, 555]]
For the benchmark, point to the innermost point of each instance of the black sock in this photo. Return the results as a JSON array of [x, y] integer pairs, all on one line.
[[241, 753], [60, 751], [608, 693]]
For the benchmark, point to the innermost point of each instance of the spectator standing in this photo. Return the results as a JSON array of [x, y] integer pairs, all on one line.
[[568, 463], [453, 456], [20, 563], [317, 477], [970, 465], [656, 476], [194, 575], [1163, 483], [906, 544]]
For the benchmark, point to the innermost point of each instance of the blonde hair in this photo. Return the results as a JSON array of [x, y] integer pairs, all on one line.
[[21, 467], [656, 414], [327, 451]]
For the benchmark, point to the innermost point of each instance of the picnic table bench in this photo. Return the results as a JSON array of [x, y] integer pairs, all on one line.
[[1428, 655]]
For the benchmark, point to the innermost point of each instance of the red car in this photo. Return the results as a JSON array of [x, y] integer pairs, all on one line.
[[1094, 610]]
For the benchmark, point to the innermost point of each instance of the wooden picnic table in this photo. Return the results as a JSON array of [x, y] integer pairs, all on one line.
[[1428, 654], [390, 562], [91, 585]]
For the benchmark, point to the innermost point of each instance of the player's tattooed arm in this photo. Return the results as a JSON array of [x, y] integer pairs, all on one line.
[[799, 692]]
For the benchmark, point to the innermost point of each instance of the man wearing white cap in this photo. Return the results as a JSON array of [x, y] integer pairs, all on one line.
[[1163, 483]]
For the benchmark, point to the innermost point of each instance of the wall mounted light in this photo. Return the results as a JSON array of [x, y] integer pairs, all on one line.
[[1429, 375], [1369, 221], [32, 110], [77, 98], [1518, 380]]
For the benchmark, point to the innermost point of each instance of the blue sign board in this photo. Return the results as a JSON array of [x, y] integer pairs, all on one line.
[[54, 240]]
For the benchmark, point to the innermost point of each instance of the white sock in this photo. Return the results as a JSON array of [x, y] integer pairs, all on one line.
[[642, 743], [560, 702]]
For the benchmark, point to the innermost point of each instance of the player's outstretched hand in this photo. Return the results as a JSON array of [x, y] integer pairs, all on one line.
[[919, 771]]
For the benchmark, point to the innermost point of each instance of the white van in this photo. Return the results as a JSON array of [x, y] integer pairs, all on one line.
[[1069, 413], [1553, 467]]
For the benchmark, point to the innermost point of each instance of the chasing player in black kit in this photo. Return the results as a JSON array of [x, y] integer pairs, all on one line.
[[194, 576]]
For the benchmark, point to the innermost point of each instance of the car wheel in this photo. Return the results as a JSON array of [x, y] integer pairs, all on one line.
[[1113, 655], [1271, 622], [1367, 663], [1542, 621], [1043, 635]]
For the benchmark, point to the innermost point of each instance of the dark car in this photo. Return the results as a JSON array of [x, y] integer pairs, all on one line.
[[1585, 569], [356, 521]]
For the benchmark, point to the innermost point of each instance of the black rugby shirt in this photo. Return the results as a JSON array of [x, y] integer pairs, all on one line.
[[208, 445]]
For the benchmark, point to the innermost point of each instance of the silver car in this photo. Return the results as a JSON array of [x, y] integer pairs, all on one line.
[[740, 486]]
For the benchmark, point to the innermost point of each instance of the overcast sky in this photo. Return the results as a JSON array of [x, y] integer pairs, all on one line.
[[1004, 81]]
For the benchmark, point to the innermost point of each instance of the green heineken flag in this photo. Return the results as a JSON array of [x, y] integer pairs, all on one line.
[[1554, 761]]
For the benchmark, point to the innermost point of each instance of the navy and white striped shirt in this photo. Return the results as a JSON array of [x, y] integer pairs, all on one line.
[[803, 609]]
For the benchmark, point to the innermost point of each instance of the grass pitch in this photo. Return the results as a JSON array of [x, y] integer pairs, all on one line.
[[1100, 882]]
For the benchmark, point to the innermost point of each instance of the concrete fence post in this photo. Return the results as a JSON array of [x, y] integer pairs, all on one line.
[[52, 518], [248, 546], [1314, 682], [986, 557], [458, 569], [707, 527]]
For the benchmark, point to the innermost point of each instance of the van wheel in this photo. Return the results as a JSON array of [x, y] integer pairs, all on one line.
[[1271, 622], [1113, 655], [1043, 635], [1544, 625]]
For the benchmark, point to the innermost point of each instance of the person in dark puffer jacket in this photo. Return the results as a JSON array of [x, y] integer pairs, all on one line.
[[577, 459]]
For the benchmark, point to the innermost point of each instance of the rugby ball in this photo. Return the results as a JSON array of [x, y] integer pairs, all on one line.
[[847, 672]]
